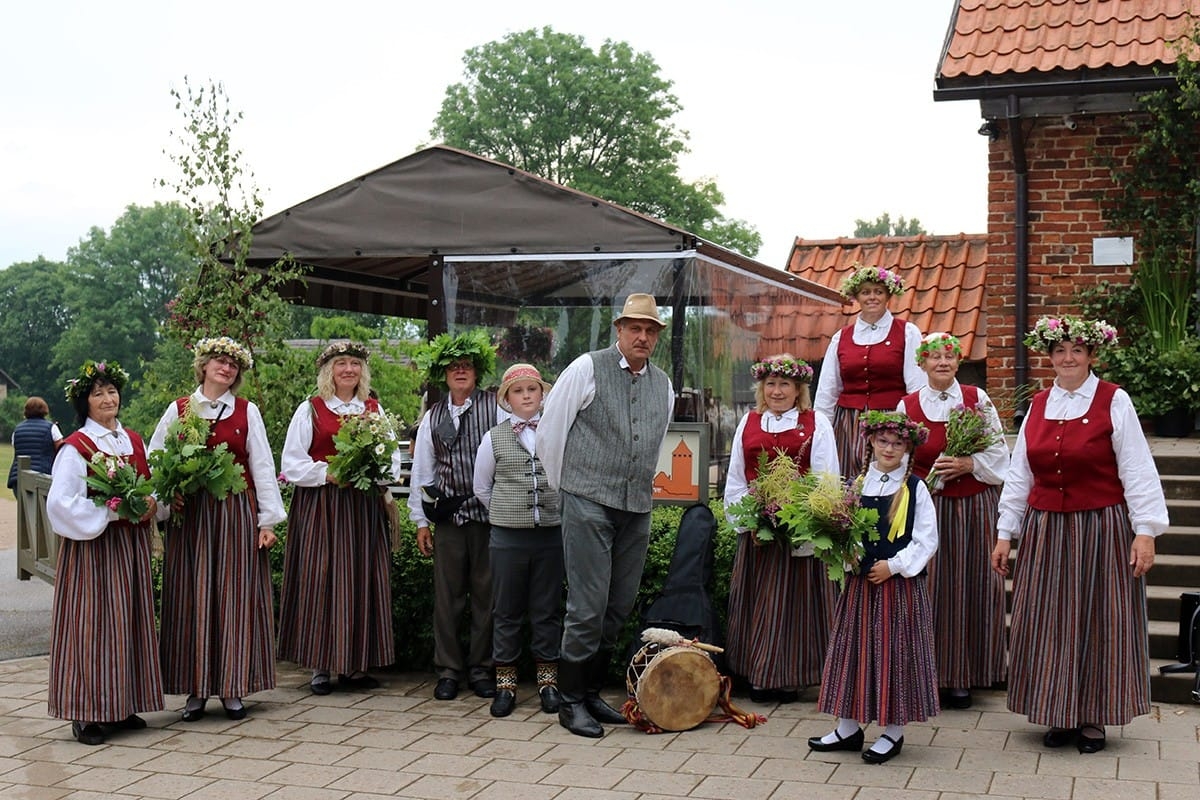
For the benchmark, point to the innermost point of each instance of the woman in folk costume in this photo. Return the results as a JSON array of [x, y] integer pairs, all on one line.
[[104, 666], [335, 615], [780, 601], [526, 541], [217, 627], [968, 596], [881, 664], [869, 365], [1085, 499]]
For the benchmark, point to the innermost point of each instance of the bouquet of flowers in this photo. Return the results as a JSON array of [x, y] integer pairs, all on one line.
[[756, 512], [365, 444], [187, 465], [968, 431], [826, 513], [118, 486]]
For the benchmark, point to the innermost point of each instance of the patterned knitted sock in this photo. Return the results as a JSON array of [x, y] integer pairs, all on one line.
[[506, 678], [547, 673]]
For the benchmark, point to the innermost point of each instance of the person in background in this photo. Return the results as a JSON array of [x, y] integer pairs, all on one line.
[[452, 525], [780, 602], [1085, 499], [104, 666], [335, 614], [526, 544], [36, 437], [217, 611], [869, 365], [599, 440], [968, 596]]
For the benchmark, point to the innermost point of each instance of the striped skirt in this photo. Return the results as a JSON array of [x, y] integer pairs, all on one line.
[[103, 647], [780, 611], [336, 611], [1079, 646], [851, 446], [216, 605], [880, 664], [967, 594]]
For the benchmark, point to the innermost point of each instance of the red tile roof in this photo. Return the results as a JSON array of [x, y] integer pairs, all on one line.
[[996, 37], [943, 279]]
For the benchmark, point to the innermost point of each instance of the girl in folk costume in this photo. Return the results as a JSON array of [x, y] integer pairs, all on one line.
[[335, 615], [217, 629], [780, 601], [870, 364], [880, 664], [968, 596], [104, 665], [526, 541], [1084, 497]]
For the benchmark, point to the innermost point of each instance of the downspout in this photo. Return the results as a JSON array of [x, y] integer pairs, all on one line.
[[1021, 228]]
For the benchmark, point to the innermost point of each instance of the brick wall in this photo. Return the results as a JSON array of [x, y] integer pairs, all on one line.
[[1067, 179]]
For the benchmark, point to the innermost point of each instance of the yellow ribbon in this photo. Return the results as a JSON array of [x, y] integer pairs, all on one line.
[[901, 515]]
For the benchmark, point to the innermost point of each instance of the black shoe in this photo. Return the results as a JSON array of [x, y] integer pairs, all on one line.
[[958, 700], [1090, 744], [575, 718], [87, 734], [446, 689], [363, 681], [852, 742], [321, 685], [602, 711], [131, 723], [786, 696], [876, 757], [192, 714], [762, 695], [1059, 737], [236, 713], [503, 703], [551, 699], [483, 687]]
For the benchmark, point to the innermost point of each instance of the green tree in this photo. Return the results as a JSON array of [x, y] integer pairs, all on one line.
[[597, 121], [35, 315], [883, 226]]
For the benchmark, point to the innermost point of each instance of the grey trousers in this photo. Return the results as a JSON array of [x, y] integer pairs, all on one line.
[[604, 550], [462, 573], [527, 579]]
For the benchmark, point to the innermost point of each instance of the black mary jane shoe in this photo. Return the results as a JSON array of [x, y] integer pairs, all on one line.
[[551, 699], [131, 723], [236, 713], [1059, 737], [872, 756], [90, 734], [959, 701], [320, 685], [503, 703], [363, 681], [1090, 744], [446, 689], [193, 714], [852, 742]]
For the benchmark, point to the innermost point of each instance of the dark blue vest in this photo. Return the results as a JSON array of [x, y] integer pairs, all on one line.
[[883, 549], [32, 438]]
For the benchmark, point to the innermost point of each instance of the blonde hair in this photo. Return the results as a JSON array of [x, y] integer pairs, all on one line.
[[326, 388], [803, 395], [201, 361], [869, 456]]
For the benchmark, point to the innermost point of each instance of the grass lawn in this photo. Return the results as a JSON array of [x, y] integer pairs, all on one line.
[[6, 457]]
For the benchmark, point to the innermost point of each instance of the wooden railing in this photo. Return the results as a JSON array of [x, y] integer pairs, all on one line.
[[37, 545]]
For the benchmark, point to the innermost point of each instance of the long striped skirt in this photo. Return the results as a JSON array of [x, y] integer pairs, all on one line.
[[880, 664], [851, 446], [216, 606], [336, 611], [780, 612], [1079, 646], [103, 647], [967, 594]]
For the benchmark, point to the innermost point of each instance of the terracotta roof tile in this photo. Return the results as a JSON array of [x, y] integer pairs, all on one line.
[[944, 280], [996, 37]]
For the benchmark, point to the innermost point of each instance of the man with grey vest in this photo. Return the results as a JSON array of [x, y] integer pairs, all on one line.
[[598, 440]]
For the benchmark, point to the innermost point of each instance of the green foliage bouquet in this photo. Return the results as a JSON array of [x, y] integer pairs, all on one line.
[[756, 512], [968, 431], [187, 465], [118, 486], [365, 444], [825, 512]]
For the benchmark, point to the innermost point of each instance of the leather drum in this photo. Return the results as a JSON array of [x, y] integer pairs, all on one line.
[[676, 688]]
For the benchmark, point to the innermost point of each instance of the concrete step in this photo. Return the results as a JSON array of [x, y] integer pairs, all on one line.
[[1171, 688], [1179, 540], [1184, 512], [1162, 602], [1181, 487]]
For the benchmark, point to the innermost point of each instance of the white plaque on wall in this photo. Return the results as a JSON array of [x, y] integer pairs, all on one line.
[[1112, 251]]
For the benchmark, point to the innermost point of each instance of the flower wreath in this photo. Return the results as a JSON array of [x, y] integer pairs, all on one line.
[[784, 367], [224, 346], [889, 280], [89, 372], [347, 348], [1049, 331], [938, 341], [873, 422]]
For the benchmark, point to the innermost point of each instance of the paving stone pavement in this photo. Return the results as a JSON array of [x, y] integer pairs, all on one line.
[[397, 741]]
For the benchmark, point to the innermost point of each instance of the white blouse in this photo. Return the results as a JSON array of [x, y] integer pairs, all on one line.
[[297, 466], [829, 387], [991, 466]]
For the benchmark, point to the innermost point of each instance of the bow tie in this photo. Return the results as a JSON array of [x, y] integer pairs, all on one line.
[[520, 426]]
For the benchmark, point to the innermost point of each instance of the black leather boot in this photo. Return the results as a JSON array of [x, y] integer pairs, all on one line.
[[597, 671], [572, 711]]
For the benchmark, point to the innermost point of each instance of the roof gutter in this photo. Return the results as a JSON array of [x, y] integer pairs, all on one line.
[[1078, 86], [1016, 137]]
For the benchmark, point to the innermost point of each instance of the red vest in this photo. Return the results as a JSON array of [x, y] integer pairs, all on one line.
[[232, 431], [325, 426], [87, 448], [924, 456], [872, 374], [796, 443], [1072, 460]]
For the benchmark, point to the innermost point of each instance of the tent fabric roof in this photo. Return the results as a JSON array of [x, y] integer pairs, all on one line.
[[371, 241]]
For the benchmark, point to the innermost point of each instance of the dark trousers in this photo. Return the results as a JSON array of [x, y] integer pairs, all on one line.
[[527, 579], [461, 574]]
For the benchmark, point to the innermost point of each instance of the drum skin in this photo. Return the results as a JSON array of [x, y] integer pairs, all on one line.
[[678, 689]]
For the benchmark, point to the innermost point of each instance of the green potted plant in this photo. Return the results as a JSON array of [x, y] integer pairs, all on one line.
[[1164, 386]]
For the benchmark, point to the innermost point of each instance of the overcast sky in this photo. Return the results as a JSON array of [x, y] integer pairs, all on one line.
[[809, 114]]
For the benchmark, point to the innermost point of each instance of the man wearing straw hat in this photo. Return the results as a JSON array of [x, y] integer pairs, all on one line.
[[598, 440]]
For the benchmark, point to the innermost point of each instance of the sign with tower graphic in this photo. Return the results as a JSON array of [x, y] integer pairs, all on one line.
[[681, 476]]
